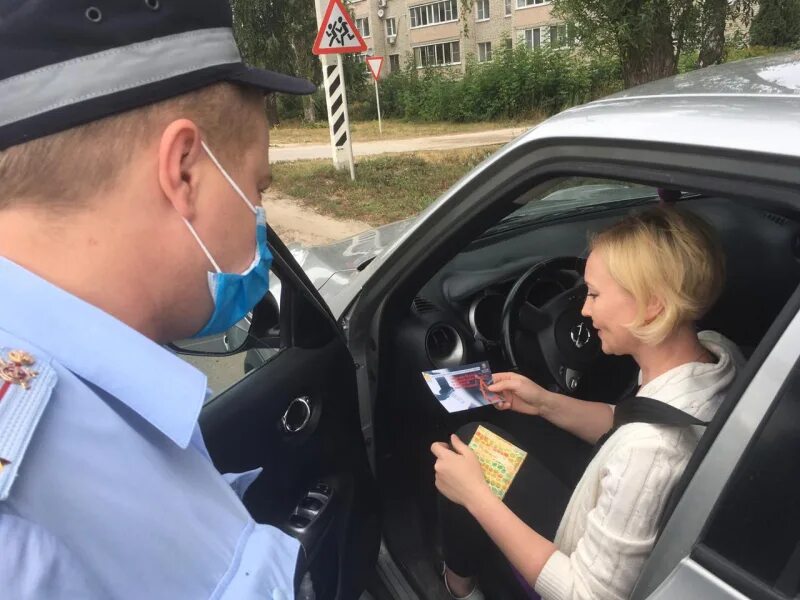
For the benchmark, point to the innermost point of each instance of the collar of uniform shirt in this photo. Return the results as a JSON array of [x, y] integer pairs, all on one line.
[[159, 386]]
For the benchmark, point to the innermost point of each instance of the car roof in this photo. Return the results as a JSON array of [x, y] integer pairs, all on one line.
[[749, 105]]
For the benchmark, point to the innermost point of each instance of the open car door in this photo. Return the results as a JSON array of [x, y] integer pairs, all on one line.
[[296, 416]]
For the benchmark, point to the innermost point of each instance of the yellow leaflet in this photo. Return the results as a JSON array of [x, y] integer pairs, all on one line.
[[500, 459]]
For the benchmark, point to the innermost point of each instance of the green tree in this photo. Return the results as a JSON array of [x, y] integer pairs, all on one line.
[[713, 20], [279, 34], [776, 24], [648, 36]]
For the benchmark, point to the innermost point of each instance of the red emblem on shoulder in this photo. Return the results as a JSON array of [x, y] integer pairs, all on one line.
[[15, 369]]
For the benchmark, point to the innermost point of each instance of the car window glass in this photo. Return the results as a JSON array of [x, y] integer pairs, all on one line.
[[228, 361], [756, 525], [568, 195]]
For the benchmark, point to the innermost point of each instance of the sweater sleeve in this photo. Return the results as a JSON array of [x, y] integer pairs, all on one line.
[[620, 527]]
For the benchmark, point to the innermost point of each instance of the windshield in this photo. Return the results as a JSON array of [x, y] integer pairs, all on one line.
[[573, 195]]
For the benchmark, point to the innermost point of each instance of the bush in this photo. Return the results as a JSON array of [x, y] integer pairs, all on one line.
[[517, 84]]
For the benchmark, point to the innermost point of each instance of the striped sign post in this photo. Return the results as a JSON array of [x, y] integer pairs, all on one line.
[[337, 35]]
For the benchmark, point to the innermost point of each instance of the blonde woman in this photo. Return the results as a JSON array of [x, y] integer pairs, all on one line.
[[649, 279]]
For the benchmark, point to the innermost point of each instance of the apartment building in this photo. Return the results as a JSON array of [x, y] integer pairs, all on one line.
[[432, 32]]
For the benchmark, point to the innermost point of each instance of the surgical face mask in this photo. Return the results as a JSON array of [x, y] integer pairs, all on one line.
[[235, 294]]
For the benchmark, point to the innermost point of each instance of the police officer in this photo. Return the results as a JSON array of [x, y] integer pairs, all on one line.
[[133, 150]]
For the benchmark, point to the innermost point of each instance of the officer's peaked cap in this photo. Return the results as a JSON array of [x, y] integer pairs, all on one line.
[[69, 62]]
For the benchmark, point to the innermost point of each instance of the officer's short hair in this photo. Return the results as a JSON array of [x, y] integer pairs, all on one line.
[[62, 169]]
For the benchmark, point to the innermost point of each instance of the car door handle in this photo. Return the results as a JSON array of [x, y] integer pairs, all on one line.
[[297, 415]]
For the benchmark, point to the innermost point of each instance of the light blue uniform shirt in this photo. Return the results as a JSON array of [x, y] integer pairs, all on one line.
[[116, 496]]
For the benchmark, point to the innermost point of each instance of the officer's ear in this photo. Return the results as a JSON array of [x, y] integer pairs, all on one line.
[[179, 156]]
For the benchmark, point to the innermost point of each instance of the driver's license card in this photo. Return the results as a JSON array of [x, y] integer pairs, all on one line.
[[462, 388], [500, 459]]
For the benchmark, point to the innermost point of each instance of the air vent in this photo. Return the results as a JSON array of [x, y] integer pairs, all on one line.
[[777, 219], [421, 306], [444, 346]]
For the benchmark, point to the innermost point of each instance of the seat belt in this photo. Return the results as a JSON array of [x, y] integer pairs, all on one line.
[[639, 409]]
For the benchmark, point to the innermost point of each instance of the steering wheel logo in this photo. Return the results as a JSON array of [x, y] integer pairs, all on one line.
[[580, 335]]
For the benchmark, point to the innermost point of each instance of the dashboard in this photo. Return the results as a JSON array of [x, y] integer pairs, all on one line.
[[456, 317]]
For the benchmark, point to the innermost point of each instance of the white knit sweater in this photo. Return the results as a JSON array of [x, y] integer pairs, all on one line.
[[609, 527]]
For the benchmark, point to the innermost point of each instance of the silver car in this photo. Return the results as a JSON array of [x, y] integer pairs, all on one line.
[[333, 406]]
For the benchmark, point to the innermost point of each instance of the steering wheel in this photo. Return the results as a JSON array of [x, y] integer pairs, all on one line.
[[556, 330]]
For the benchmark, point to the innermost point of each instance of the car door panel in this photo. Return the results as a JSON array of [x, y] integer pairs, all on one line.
[[296, 417]]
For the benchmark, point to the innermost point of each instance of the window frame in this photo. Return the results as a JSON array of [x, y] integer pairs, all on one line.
[[360, 30], [435, 51], [487, 52], [416, 12], [562, 37], [523, 4], [487, 14], [393, 21], [535, 32], [708, 553]]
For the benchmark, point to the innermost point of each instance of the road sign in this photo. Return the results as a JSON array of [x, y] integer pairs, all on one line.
[[331, 12], [337, 33], [375, 63]]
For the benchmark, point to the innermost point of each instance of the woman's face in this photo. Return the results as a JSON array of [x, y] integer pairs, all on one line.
[[610, 307]]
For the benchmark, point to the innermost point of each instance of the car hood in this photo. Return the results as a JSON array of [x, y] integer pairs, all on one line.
[[331, 267]]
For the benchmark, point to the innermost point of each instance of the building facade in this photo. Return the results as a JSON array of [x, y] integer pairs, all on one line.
[[431, 33]]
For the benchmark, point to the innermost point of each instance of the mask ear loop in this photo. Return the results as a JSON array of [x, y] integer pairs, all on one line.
[[202, 245], [228, 177]]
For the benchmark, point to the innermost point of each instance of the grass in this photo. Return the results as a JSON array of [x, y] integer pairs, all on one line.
[[387, 187], [297, 132]]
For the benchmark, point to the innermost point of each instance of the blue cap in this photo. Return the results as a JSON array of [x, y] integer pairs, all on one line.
[[69, 62]]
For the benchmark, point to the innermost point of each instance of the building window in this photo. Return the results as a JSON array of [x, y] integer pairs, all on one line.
[[436, 55], [391, 26], [526, 3], [560, 36], [361, 57], [508, 8], [363, 26], [484, 51], [509, 44], [533, 38], [431, 14], [482, 10], [394, 63]]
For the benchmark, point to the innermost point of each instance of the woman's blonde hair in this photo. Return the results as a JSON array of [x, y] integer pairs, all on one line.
[[668, 254]]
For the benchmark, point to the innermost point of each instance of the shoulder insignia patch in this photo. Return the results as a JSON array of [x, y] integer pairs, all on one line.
[[26, 384]]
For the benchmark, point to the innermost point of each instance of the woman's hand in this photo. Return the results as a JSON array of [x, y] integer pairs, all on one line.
[[518, 393], [458, 473]]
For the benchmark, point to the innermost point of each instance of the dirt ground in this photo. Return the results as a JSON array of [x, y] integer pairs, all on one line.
[[296, 223]]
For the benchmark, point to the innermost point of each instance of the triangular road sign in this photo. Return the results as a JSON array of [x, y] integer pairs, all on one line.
[[375, 63], [338, 33]]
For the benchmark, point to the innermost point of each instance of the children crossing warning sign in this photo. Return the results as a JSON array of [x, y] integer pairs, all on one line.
[[338, 33]]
